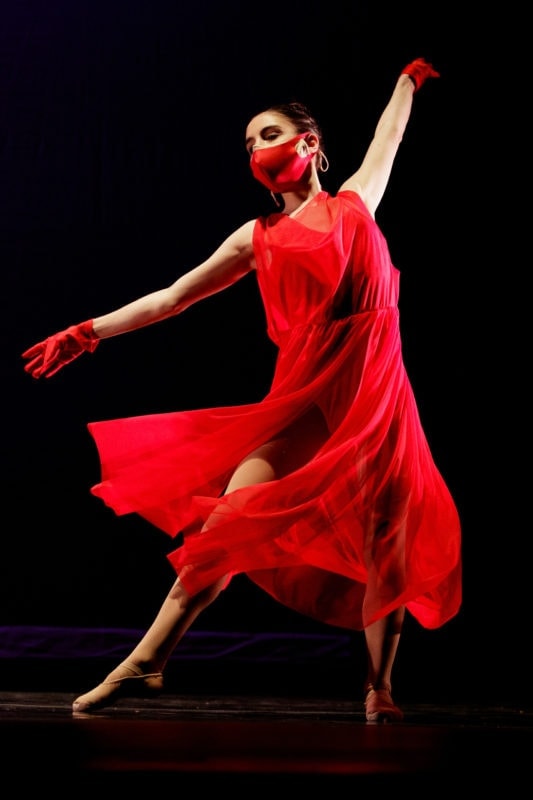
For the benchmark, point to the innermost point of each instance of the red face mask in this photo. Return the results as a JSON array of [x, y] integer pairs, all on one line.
[[280, 167]]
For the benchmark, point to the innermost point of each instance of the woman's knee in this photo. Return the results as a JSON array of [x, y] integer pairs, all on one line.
[[206, 596], [200, 599]]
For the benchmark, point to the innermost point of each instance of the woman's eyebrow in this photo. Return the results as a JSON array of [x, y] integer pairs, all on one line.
[[263, 132]]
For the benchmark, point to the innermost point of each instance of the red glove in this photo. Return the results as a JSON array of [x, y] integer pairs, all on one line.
[[48, 356], [419, 70]]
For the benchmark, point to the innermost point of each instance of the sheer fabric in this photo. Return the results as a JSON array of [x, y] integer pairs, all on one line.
[[367, 523]]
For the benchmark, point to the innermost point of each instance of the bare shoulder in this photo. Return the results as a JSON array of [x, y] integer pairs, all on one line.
[[354, 184], [238, 246], [241, 239], [235, 254]]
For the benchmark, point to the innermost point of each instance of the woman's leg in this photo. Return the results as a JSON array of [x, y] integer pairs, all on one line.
[[141, 672], [382, 639]]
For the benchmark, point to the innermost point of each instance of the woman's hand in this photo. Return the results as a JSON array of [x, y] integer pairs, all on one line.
[[47, 357], [419, 71]]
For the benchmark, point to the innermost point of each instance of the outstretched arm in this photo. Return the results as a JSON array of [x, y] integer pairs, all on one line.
[[370, 180], [230, 262]]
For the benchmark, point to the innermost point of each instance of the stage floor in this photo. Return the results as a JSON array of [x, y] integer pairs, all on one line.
[[260, 743]]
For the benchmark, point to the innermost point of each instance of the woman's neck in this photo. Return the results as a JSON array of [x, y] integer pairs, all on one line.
[[294, 202]]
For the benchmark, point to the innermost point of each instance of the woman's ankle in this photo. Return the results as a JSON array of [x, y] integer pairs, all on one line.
[[142, 666], [377, 685]]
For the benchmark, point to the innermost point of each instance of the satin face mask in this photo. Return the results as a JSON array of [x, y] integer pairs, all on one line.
[[281, 166]]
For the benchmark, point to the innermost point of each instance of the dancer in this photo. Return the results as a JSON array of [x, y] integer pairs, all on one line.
[[325, 492]]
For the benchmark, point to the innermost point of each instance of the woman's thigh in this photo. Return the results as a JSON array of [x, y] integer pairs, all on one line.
[[283, 454]]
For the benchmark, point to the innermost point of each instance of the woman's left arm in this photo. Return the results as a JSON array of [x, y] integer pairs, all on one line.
[[370, 180]]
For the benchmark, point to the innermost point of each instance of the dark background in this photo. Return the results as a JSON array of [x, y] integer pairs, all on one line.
[[122, 165]]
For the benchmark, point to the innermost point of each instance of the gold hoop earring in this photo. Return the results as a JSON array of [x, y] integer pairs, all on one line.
[[323, 164]]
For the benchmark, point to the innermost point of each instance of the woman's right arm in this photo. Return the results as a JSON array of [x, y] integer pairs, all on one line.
[[229, 262]]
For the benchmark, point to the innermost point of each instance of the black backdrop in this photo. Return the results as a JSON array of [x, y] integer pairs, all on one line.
[[122, 165]]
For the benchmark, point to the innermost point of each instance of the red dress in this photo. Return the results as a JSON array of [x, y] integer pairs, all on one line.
[[368, 523]]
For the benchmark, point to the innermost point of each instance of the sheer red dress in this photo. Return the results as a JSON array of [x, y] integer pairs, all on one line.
[[368, 523]]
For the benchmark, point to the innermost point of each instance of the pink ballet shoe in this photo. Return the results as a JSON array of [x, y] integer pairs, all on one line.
[[136, 684], [379, 706]]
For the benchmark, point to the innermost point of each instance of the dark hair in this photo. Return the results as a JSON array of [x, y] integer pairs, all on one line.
[[301, 118]]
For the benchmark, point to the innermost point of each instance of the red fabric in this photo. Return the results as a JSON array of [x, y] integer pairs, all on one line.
[[52, 354], [419, 71], [367, 523], [280, 167]]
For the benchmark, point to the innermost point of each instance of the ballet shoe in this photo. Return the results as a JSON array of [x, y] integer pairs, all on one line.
[[379, 706], [137, 684]]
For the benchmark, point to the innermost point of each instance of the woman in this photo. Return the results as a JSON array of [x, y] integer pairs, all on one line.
[[324, 493]]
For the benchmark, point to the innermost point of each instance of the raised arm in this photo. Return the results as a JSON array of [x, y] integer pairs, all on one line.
[[229, 262], [370, 180]]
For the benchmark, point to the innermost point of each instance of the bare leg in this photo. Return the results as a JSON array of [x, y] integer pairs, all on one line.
[[142, 671], [382, 640]]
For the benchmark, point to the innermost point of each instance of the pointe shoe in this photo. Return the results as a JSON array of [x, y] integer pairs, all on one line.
[[136, 684], [379, 706]]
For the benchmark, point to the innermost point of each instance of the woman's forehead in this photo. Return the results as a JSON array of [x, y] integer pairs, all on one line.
[[265, 120]]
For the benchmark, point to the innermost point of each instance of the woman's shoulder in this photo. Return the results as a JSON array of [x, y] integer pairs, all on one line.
[[352, 198], [351, 195]]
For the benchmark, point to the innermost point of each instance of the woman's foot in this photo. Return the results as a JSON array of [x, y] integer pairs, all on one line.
[[127, 680], [379, 706]]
